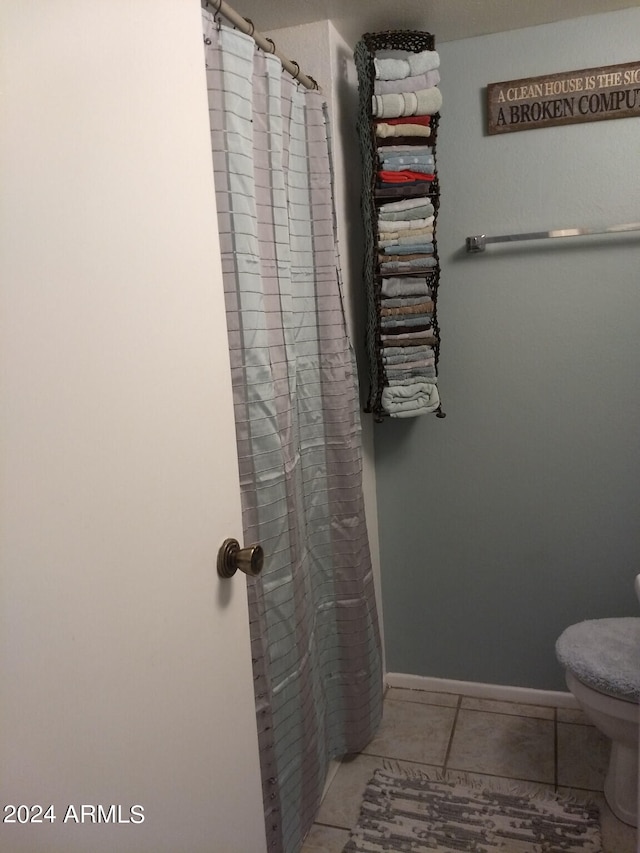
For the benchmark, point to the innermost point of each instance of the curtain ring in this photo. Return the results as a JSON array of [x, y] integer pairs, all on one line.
[[315, 83], [272, 43], [293, 62], [253, 29]]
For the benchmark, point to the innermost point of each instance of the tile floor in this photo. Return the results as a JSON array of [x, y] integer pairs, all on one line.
[[555, 748]]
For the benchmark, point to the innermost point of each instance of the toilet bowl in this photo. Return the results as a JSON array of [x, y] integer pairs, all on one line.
[[602, 662]]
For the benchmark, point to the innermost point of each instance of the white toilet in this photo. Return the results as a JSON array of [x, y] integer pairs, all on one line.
[[602, 662]]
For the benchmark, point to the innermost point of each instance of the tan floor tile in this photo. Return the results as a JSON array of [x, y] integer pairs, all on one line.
[[424, 697], [325, 839], [583, 756], [517, 747], [519, 709], [413, 732]]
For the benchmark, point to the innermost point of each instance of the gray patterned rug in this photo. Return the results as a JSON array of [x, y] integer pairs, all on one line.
[[412, 813]]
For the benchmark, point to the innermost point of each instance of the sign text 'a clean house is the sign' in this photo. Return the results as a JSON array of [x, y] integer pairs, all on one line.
[[593, 94]]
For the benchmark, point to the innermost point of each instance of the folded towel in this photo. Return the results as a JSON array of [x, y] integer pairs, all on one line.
[[403, 225], [407, 286], [414, 64], [407, 84], [404, 301], [421, 103], [409, 340], [390, 217], [404, 256], [385, 130], [398, 362], [410, 240], [399, 150], [425, 307], [420, 374], [403, 163], [383, 234], [408, 381], [402, 354], [406, 323], [423, 120], [406, 401], [407, 352], [406, 368], [422, 263], [404, 176], [404, 204], [409, 249], [397, 162]]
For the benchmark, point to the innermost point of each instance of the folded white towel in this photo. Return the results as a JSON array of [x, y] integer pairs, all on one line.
[[414, 64], [404, 224], [408, 84], [406, 401], [425, 102], [426, 60]]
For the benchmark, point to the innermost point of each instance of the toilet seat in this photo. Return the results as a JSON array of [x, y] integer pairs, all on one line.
[[604, 654]]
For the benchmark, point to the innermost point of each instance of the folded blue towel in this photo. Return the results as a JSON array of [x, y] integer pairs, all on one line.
[[406, 286], [409, 249], [426, 164], [412, 150]]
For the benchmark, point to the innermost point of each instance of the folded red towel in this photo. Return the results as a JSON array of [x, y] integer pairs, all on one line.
[[425, 120], [404, 176]]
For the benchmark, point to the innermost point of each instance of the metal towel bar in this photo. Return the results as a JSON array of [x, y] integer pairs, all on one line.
[[480, 241]]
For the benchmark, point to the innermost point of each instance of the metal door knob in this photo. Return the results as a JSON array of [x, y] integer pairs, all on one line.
[[232, 557]]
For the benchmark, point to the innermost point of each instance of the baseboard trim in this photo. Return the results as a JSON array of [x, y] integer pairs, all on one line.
[[502, 692]]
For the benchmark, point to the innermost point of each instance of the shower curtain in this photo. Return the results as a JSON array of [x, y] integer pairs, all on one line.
[[314, 631]]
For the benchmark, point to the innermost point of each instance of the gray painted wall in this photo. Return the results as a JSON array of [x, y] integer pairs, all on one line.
[[518, 514]]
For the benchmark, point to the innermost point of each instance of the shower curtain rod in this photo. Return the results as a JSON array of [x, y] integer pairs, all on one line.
[[268, 45], [479, 242]]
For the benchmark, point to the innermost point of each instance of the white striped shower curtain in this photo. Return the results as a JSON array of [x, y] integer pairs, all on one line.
[[315, 639]]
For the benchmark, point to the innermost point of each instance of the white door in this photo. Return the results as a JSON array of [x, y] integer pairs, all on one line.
[[126, 686]]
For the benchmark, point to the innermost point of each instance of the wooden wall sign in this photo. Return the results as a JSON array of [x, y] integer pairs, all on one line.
[[593, 94]]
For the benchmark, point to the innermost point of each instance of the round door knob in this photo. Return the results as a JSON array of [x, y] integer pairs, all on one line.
[[232, 557]]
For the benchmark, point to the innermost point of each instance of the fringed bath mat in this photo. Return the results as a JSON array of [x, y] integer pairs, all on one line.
[[411, 813]]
